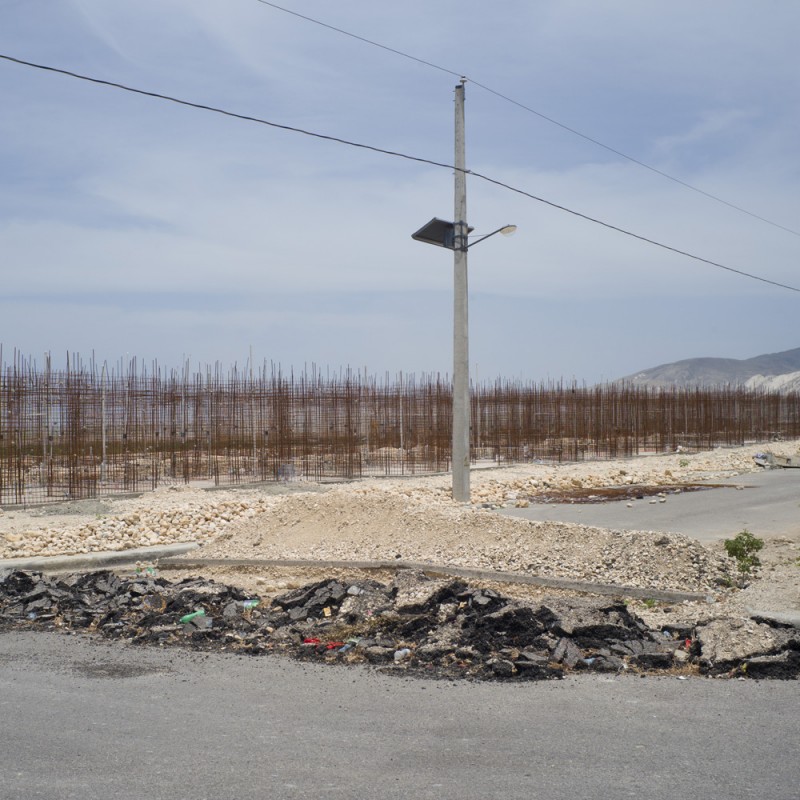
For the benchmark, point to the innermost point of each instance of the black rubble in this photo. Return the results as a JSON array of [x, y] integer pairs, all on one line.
[[417, 625]]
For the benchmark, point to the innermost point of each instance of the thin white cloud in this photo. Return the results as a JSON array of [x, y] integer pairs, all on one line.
[[137, 201], [712, 126]]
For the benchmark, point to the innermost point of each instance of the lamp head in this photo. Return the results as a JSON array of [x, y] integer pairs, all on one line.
[[508, 230]]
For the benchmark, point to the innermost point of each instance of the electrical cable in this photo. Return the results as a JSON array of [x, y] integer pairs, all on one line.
[[383, 151], [630, 233], [362, 39], [539, 114]]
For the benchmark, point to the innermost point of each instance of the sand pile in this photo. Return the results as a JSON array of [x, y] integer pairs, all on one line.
[[377, 525]]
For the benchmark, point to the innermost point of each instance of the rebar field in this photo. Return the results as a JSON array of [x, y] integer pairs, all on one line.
[[90, 430]]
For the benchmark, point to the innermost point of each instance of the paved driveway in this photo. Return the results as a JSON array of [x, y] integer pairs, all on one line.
[[768, 505]]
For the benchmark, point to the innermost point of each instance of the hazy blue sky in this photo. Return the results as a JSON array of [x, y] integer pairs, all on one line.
[[130, 225]]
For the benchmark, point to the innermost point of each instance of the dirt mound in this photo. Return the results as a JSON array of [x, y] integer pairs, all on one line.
[[375, 525]]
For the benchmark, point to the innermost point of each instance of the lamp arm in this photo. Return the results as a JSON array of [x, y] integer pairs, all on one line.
[[483, 238]]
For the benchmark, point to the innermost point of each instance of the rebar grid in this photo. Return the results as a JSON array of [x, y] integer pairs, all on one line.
[[88, 431]]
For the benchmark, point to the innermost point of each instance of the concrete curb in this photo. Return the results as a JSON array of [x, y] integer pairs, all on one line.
[[91, 561], [451, 571], [782, 618]]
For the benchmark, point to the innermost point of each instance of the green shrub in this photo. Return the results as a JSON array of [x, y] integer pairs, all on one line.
[[743, 547]]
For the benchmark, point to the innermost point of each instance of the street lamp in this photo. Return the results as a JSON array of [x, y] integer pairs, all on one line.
[[442, 233], [453, 236]]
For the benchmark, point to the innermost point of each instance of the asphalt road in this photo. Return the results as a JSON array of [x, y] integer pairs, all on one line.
[[92, 720], [768, 505]]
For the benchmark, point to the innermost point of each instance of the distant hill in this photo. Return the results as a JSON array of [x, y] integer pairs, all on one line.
[[790, 382], [767, 371]]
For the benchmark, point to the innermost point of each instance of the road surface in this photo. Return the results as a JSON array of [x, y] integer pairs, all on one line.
[[768, 505], [92, 720]]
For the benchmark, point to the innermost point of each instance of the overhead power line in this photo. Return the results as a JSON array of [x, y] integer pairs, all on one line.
[[362, 39], [539, 114], [383, 151]]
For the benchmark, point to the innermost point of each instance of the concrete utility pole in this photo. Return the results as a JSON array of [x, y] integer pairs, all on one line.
[[461, 399], [453, 236]]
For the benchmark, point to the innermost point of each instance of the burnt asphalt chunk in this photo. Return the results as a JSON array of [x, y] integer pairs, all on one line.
[[167, 558], [437, 628]]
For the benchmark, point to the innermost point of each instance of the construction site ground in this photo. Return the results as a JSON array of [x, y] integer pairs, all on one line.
[[413, 519]]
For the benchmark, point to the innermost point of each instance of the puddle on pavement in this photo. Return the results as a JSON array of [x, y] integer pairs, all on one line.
[[614, 493]]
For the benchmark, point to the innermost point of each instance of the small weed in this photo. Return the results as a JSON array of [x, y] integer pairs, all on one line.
[[684, 462], [743, 547], [649, 602]]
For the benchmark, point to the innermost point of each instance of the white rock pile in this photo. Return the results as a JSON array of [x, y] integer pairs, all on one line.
[[377, 525], [196, 521], [411, 518]]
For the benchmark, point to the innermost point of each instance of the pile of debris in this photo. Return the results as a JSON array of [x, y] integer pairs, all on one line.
[[439, 628]]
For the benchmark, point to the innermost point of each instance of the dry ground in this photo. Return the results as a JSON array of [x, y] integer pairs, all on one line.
[[414, 519]]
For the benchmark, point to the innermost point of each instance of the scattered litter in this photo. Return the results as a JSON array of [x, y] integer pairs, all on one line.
[[148, 570], [438, 628]]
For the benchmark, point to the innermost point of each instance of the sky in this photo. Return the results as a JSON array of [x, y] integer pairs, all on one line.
[[136, 227]]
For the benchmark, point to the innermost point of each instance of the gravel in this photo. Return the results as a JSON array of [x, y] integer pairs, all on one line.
[[409, 518]]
